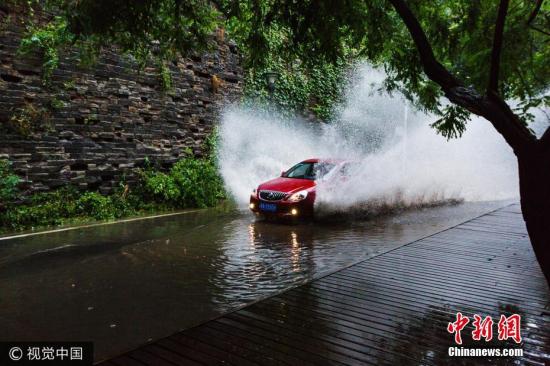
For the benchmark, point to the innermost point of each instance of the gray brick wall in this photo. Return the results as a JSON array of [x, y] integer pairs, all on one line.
[[92, 126]]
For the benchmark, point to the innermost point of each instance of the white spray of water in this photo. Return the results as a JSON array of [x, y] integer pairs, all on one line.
[[399, 158]]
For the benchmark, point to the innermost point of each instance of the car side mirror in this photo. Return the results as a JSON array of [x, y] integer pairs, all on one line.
[[283, 173]]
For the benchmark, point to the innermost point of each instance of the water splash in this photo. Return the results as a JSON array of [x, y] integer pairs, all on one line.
[[399, 159]]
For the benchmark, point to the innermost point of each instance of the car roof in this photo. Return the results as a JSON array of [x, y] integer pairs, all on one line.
[[324, 160]]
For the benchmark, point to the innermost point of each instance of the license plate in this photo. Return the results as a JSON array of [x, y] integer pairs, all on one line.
[[269, 207]]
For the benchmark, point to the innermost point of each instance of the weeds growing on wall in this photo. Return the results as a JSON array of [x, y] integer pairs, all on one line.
[[48, 40], [29, 119], [8, 182], [165, 76]]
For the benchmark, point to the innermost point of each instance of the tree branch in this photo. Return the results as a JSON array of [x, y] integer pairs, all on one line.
[[532, 17], [491, 107], [435, 71], [535, 12], [500, 113], [497, 46]]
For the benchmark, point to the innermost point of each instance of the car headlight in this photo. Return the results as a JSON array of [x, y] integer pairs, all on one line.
[[298, 196]]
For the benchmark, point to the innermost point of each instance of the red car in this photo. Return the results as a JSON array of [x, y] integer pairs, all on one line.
[[293, 193]]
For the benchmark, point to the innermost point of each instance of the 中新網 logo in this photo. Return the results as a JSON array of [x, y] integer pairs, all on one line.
[[508, 327]]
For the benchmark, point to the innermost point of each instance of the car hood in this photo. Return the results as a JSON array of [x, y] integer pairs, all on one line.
[[287, 185]]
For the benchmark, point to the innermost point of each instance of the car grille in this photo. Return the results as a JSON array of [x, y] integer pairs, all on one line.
[[272, 195]]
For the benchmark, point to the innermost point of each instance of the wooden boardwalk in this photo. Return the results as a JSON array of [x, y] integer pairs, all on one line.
[[392, 309]]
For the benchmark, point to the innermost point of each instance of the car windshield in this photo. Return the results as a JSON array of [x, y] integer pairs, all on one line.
[[310, 171]]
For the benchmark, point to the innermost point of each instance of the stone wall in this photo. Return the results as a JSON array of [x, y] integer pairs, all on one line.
[[93, 126]]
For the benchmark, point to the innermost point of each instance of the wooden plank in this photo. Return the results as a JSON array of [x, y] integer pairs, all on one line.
[[329, 328], [148, 358], [292, 347], [179, 354], [355, 304], [124, 360], [416, 291], [458, 279], [315, 342], [233, 344], [205, 348]]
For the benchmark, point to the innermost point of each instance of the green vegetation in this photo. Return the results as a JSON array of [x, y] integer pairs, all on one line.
[[311, 43], [165, 76], [191, 183], [49, 40], [301, 39], [315, 87], [318, 89], [177, 28], [68, 205], [460, 35], [8, 182]]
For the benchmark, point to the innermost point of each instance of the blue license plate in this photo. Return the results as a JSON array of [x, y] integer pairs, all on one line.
[[269, 207]]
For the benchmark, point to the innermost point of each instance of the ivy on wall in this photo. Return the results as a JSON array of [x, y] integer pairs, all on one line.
[[301, 88], [298, 91]]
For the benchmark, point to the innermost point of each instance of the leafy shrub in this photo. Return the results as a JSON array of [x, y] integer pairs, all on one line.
[[95, 205], [198, 182], [190, 183], [8, 182], [210, 145], [123, 204], [67, 204], [40, 209], [160, 186]]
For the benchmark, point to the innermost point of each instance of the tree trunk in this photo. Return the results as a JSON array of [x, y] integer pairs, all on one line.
[[534, 180]]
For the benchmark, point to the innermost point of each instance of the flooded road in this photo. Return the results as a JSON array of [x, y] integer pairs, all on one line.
[[123, 284]]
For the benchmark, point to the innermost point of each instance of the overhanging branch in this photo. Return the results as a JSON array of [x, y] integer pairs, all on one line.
[[435, 71], [532, 17], [497, 46], [535, 12], [491, 107]]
